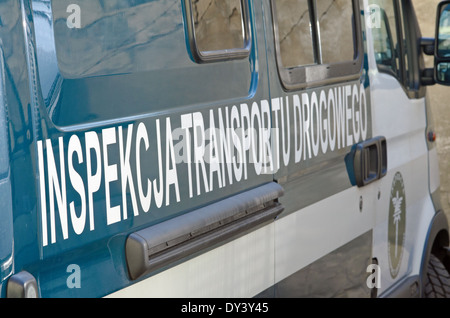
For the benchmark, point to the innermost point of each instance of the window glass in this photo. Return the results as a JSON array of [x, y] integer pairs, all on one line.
[[336, 30], [385, 36], [302, 41], [294, 33], [406, 48], [317, 41], [219, 24]]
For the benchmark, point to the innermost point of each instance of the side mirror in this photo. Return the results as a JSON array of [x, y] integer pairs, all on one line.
[[442, 44]]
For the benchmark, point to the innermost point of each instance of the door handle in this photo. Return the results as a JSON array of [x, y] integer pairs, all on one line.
[[367, 161]]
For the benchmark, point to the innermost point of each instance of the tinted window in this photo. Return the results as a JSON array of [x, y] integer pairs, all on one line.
[[317, 42], [385, 36], [218, 24], [336, 30], [218, 29], [298, 33], [294, 33]]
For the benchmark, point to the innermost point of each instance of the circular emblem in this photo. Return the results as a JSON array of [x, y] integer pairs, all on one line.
[[396, 224]]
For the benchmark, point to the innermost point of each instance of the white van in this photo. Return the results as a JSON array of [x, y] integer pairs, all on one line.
[[211, 148]]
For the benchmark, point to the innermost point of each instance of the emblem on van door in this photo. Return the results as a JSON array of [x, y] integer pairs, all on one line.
[[396, 224]]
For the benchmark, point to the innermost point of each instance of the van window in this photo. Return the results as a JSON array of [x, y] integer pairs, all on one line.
[[336, 30], [317, 42], [294, 32], [218, 30], [405, 47], [385, 37], [394, 42], [218, 24]]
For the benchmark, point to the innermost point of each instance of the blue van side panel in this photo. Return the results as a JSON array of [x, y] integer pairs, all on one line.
[[48, 110]]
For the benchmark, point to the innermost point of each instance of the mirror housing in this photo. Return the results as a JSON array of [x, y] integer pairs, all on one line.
[[442, 44]]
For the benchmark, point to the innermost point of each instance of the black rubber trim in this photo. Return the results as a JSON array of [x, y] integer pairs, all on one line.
[[160, 245]]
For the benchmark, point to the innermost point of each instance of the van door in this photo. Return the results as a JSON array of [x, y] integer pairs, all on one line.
[[321, 100], [399, 114]]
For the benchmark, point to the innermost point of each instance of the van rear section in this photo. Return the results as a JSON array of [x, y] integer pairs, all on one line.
[[206, 148]]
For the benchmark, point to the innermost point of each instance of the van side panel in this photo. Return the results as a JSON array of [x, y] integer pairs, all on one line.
[[123, 149]]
